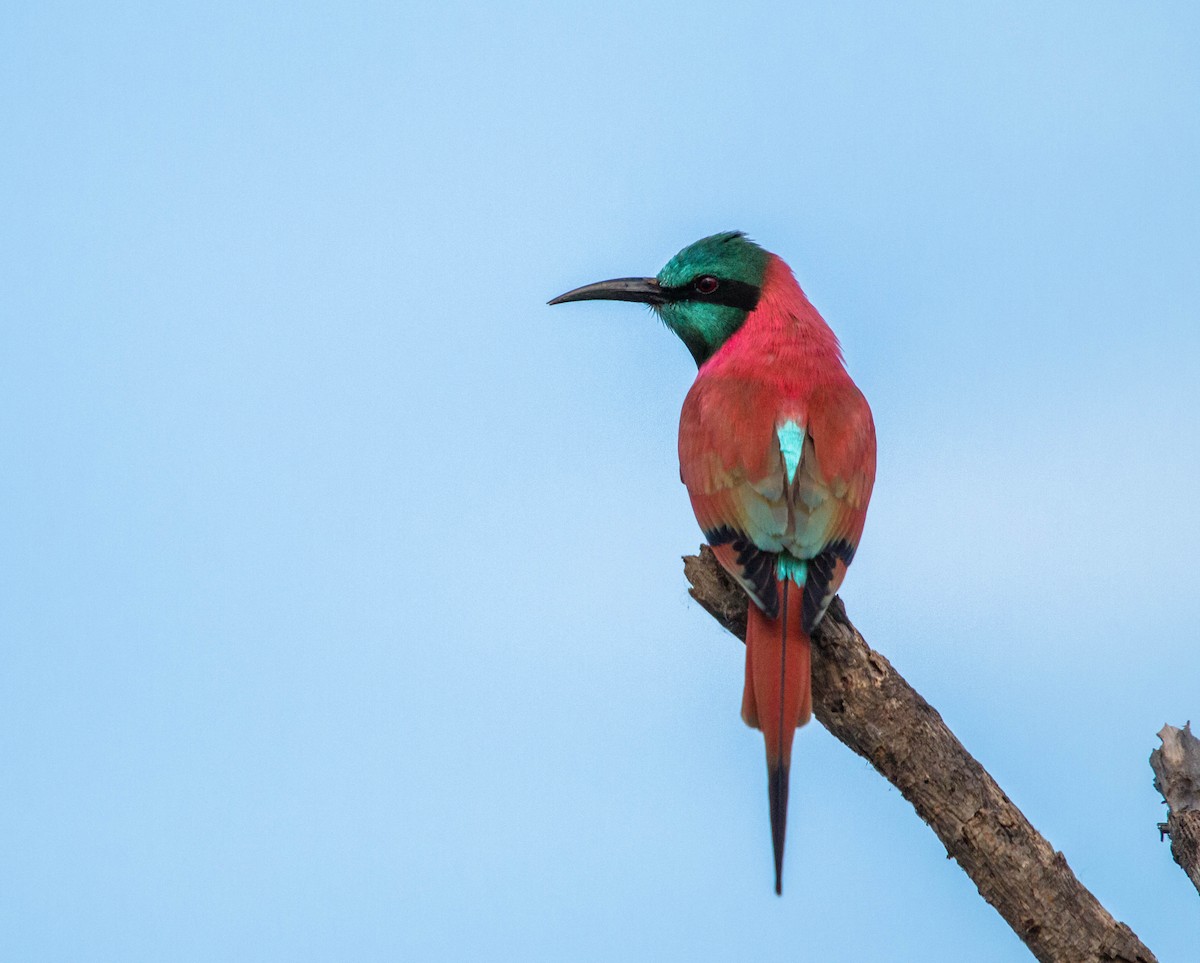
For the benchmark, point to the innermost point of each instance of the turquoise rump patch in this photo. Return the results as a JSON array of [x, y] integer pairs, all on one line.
[[790, 567], [791, 443]]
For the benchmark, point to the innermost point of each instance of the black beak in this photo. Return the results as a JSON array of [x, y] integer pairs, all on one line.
[[644, 290]]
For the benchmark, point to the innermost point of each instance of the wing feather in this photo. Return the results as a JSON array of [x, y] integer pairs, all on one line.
[[737, 475]]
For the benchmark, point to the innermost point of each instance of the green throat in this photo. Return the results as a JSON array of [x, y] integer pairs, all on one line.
[[711, 287]]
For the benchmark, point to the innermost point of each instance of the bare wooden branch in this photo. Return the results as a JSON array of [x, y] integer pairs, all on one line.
[[865, 703], [1177, 776]]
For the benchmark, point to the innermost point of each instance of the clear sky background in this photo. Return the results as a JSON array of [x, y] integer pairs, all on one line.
[[341, 614]]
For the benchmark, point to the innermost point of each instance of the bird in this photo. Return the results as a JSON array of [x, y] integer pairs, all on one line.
[[777, 452]]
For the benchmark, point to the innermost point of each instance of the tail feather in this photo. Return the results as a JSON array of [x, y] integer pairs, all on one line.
[[778, 698]]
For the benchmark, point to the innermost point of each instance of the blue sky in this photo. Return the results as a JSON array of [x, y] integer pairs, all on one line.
[[342, 613]]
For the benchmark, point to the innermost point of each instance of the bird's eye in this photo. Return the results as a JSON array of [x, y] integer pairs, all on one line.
[[706, 284]]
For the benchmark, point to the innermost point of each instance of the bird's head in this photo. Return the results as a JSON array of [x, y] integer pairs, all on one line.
[[703, 294]]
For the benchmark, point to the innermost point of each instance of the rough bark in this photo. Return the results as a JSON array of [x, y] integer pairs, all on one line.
[[1177, 776], [865, 703]]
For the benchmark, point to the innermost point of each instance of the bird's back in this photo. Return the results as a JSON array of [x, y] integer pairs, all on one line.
[[775, 440]]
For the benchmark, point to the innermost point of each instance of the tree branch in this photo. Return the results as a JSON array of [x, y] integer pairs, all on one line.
[[1177, 776], [865, 703]]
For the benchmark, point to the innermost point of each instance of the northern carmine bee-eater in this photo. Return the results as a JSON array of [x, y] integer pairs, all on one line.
[[777, 450]]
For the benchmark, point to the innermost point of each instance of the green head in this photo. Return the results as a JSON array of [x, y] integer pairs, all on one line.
[[704, 294]]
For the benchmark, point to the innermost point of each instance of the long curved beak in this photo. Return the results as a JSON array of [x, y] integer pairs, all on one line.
[[645, 290]]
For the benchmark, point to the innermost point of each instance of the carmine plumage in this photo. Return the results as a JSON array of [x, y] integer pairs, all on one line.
[[777, 450]]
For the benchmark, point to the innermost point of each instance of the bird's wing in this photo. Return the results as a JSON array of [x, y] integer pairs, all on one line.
[[770, 475], [839, 473]]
